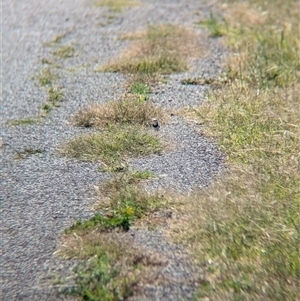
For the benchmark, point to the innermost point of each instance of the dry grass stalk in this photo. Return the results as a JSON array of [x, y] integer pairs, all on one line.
[[131, 110]]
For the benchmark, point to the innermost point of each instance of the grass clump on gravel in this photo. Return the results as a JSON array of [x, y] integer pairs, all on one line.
[[131, 110], [14, 122], [56, 39], [139, 87], [111, 267], [64, 51], [46, 77], [197, 81], [162, 48], [27, 152], [245, 229], [113, 144], [123, 201], [117, 5], [55, 97], [215, 27]]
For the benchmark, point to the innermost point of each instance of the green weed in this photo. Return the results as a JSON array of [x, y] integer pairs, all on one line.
[[139, 87], [47, 108], [125, 202], [111, 268]]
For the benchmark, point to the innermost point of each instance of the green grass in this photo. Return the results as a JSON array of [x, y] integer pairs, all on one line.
[[55, 97], [111, 267], [46, 77], [117, 5], [22, 121], [27, 152], [161, 48], [100, 222], [139, 87], [216, 28], [247, 224], [47, 108], [113, 144], [125, 202], [131, 110], [64, 51]]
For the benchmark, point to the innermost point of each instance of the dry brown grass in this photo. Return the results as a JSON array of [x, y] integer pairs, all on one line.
[[162, 48], [131, 110]]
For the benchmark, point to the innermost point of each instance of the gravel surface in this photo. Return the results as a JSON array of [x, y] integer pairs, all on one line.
[[44, 193]]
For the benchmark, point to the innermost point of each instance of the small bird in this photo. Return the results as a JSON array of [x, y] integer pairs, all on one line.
[[155, 124]]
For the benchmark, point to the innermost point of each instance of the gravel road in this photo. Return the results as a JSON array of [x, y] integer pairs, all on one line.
[[44, 193]]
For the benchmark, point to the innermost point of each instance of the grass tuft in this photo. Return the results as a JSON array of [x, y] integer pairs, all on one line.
[[132, 110], [22, 121], [111, 270], [27, 152], [56, 39], [55, 97], [197, 81], [64, 51], [161, 48], [113, 144], [117, 5], [139, 87], [124, 202], [46, 77], [216, 27]]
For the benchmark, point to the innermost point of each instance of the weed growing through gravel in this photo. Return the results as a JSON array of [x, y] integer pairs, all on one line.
[[55, 97], [113, 144], [139, 87], [117, 5], [122, 202], [46, 77], [198, 81], [27, 152], [22, 121], [245, 229], [131, 110], [111, 268], [217, 29], [56, 39], [64, 51], [161, 48]]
